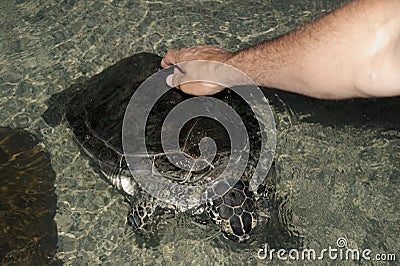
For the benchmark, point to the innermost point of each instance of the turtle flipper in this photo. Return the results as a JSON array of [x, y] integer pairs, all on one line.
[[143, 212]]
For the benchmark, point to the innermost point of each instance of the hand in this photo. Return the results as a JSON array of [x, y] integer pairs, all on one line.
[[184, 73]]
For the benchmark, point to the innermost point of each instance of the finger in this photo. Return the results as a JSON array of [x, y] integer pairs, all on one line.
[[197, 88], [169, 58], [174, 80], [200, 88]]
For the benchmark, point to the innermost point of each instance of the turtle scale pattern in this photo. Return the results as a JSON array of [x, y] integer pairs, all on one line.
[[235, 211]]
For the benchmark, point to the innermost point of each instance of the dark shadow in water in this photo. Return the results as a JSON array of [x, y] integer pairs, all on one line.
[[366, 113], [279, 232], [28, 232]]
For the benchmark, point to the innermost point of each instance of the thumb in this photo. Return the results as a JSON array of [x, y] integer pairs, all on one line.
[[197, 88], [174, 80]]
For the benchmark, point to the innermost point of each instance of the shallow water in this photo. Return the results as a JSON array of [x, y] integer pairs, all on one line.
[[336, 167]]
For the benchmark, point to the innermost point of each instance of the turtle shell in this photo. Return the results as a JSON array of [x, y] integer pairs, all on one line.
[[95, 110]]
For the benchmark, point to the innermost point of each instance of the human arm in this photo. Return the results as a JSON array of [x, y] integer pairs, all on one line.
[[351, 52]]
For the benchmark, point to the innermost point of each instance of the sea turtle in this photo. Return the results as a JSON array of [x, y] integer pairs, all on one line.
[[95, 108]]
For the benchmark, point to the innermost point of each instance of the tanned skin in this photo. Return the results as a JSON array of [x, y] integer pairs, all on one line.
[[353, 51]]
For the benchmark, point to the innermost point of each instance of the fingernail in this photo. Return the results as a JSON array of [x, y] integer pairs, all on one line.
[[168, 80], [179, 69]]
